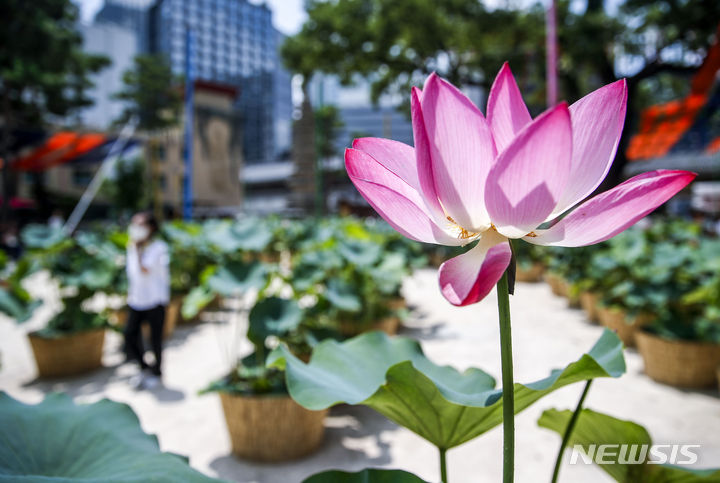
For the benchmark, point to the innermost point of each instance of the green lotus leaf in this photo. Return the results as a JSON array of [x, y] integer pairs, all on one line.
[[253, 234], [343, 295], [593, 428], [41, 236], [219, 234], [360, 253], [16, 306], [368, 475], [58, 440], [196, 300], [441, 404], [234, 278], [273, 316]]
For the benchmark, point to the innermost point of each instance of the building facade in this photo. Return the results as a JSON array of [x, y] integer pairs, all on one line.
[[234, 43], [132, 15], [121, 46]]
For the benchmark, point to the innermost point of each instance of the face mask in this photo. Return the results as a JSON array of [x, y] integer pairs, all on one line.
[[138, 233]]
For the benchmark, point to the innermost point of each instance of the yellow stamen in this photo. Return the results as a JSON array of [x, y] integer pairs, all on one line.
[[463, 233]]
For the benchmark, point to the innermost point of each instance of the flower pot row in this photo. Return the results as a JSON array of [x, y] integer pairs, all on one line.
[[680, 363]]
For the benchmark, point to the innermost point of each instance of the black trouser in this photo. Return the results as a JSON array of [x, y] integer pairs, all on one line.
[[133, 335]]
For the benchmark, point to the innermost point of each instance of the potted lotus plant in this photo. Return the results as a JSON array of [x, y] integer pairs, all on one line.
[[264, 423], [72, 340], [682, 347]]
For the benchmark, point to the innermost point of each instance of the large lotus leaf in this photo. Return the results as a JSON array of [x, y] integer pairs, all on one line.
[[237, 277], [343, 295], [368, 475], [196, 300], [16, 305], [254, 234], [593, 428], [41, 236], [219, 234], [273, 316], [444, 406], [360, 253], [58, 440], [92, 273]]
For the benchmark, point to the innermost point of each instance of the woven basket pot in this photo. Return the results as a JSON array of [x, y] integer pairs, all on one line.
[[589, 303], [531, 275], [172, 313], [389, 325], [271, 428], [397, 303], [556, 284], [68, 355], [625, 327], [679, 363]]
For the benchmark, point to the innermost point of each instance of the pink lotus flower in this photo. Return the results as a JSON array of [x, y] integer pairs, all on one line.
[[471, 178]]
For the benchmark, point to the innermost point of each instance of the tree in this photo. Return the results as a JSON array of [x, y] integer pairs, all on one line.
[[152, 93], [44, 74], [126, 187], [328, 124], [154, 97], [397, 43]]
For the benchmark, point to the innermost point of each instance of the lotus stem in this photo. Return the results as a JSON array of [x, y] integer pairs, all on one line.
[[569, 430], [508, 385], [443, 465]]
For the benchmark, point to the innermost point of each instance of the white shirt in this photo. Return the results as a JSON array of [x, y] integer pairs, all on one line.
[[148, 290]]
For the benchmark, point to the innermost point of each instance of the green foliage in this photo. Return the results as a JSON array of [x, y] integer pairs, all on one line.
[[400, 42], [272, 316], [328, 124], [17, 304], [82, 265], [669, 270], [127, 187], [152, 93], [369, 475], [442, 405], [595, 428], [43, 67], [59, 441], [235, 278]]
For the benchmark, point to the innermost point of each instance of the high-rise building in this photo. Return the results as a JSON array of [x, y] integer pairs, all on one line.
[[121, 46], [129, 14], [359, 117], [236, 44]]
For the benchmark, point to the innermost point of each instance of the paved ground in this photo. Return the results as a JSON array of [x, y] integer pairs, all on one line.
[[546, 335]]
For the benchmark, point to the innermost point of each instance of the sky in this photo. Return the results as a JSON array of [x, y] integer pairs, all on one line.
[[288, 15]]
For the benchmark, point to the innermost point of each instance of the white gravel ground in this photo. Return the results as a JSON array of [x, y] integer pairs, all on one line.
[[546, 335]]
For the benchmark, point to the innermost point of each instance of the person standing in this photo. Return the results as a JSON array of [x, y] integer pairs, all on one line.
[[148, 274]]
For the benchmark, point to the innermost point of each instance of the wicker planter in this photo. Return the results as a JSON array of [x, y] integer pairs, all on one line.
[[118, 317], [532, 274], [557, 284], [397, 303], [271, 428], [68, 355], [618, 321], [589, 303], [678, 362], [389, 325]]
